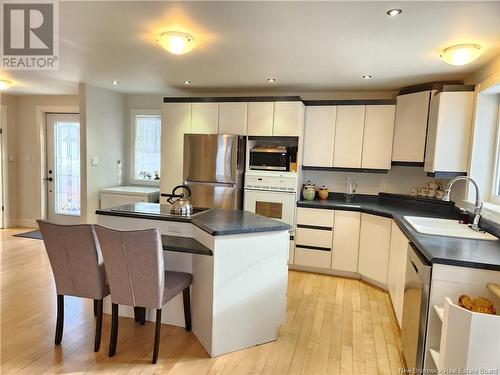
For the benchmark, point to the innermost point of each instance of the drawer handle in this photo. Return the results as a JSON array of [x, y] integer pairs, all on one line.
[[313, 248], [317, 227]]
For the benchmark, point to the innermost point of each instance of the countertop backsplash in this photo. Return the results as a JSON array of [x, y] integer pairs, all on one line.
[[399, 180]]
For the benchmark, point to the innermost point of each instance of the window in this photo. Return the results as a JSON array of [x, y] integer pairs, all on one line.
[[146, 146], [495, 191]]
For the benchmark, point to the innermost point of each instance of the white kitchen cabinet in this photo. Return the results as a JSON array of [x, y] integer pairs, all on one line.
[[397, 270], [374, 247], [448, 136], [410, 128], [233, 118], [175, 122], [121, 195], [313, 237], [319, 136], [315, 217], [348, 141], [377, 136], [288, 119], [204, 118], [346, 241], [260, 118]]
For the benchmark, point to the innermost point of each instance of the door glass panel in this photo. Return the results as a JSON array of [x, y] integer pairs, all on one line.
[[273, 210], [67, 168]]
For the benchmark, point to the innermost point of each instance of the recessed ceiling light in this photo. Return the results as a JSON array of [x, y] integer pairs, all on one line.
[[187, 82], [461, 54], [367, 76], [271, 80], [177, 42], [5, 84], [115, 83], [394, 12]]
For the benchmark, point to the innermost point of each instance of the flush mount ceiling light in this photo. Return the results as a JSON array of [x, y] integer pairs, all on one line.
[[187, 82], [394, 12], [461, 54], [177, 42], [115, 83], [5, 84], [367, 76], [271, 80]]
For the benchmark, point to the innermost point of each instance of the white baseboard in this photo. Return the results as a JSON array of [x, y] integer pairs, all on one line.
[[28, 223], [351, 275]]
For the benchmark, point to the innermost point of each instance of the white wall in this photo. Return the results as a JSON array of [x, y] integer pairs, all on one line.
[[105, 138], [29, 198], [9, 104]]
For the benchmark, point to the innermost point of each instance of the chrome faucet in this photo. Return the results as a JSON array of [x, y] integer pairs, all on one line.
[[478, 205]]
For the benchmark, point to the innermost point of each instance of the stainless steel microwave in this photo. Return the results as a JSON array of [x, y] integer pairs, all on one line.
[[269, 158]]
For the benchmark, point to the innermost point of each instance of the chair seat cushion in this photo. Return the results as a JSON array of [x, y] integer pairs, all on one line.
[[175, 282]]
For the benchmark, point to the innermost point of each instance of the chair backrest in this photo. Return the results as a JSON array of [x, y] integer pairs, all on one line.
[[76, 259], [134, 265]]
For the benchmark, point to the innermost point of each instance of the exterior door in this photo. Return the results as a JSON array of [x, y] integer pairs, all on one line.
[[63, 168]]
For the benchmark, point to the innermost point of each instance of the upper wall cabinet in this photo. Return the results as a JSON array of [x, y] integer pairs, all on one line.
[[288, 119], [204, 118], [175, 122], [348, 136], [448, 136], [377, 137], [260, 118], [233, 118], [410, 127], [319, 136]]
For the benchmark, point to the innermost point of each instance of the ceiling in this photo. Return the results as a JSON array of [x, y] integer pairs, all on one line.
[[307, 46]]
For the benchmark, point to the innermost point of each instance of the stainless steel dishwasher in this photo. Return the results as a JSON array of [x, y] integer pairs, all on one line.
[[415, 308]]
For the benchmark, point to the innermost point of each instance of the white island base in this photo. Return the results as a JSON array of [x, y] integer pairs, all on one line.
[[238, 295]]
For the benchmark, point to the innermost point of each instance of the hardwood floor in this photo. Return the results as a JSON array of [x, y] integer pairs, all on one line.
[[334, 326]]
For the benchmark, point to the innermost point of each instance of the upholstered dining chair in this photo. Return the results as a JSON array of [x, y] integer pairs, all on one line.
[[137, 277], [78, 267]]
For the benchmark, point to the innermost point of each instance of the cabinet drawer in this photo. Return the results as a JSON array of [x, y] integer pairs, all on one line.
[[314, 216], [314, 237], [312, 258]]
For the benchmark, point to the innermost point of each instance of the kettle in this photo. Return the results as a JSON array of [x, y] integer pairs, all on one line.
[[180, 203]]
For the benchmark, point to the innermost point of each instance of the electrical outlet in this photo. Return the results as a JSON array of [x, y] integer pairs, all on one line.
[[173, 228]]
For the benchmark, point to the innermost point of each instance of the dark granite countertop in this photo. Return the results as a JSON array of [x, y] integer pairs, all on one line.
[[184, 245], [436, 249], [215, 221]]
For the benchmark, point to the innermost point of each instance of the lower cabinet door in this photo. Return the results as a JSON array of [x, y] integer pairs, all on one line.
[[313, 237], [291, 251], [305, 256], [374, 247], [346, 241], [397, 270]]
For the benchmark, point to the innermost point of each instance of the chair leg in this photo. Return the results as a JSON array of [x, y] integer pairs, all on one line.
[[98, 324], [140, 315], [187, 308], [137, 314], [156, 345], [60, 319], [95, 307], [114, 330]]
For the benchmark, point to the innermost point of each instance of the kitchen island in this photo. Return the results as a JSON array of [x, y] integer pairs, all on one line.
[[239, 266]]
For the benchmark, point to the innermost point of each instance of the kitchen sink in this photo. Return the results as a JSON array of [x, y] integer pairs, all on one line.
[[447, 228]]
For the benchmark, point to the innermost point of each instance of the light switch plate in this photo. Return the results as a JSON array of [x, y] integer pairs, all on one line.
[[94, 160]]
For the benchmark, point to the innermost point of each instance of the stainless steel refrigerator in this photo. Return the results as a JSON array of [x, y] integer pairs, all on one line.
[[213, 169]]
